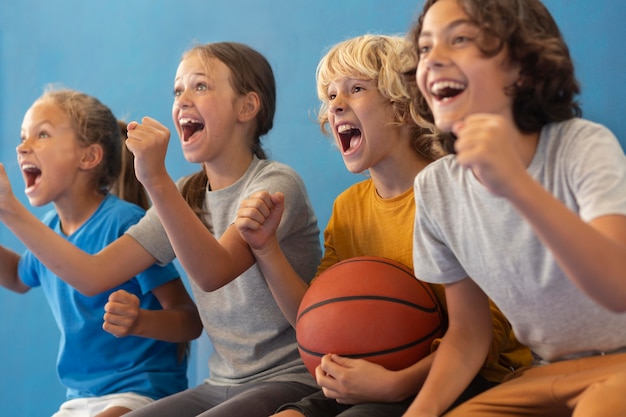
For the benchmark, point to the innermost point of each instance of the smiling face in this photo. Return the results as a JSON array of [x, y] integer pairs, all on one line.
[[360, 117], [454, 76], [49, 154], [205, 108]]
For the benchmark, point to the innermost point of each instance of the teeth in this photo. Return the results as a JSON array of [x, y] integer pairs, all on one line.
[[26, 167], [442, 85], [187, 120], [344, 128]]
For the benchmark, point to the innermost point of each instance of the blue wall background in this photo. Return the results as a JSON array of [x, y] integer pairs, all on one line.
[[126, 53]]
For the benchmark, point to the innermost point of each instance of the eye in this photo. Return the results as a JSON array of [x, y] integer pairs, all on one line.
[[357, 88], [177, 92], [423, 50], [461, 39], [201, 87], [43, 135]]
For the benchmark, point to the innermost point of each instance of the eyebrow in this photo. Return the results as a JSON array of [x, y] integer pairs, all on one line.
[[195, 74], [449, 27]]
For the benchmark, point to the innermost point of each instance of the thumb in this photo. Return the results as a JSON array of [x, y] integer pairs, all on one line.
[[278, 198], [341, 360]]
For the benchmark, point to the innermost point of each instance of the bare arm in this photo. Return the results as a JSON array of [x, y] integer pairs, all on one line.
[[462, 351], [209, 262], [194, 245], [178, 321], [89, 274], [8, 271]]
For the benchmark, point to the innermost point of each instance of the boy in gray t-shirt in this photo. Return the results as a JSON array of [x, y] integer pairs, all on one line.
[[530, 212]]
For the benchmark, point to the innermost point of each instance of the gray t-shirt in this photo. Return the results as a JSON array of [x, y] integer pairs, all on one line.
[[461, 230], [251, 337]]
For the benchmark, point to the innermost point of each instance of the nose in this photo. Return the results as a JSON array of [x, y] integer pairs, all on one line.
[[182, 99], [435, 57], [23, 147], [337, 104]]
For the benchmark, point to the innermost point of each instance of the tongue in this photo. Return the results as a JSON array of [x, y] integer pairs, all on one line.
[[189, 129]]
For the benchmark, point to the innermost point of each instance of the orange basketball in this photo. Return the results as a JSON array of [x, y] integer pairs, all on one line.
[[369, 308]]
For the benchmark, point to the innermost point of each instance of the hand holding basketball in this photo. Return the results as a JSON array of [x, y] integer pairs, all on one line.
[[353, 381]]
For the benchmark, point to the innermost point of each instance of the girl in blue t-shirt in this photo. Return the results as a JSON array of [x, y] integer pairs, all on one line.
[[70, 155]]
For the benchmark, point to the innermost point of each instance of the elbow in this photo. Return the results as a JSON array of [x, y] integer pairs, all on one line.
[[617, 307], [197, 330], [89, 290], [210, 283], [207, 286]]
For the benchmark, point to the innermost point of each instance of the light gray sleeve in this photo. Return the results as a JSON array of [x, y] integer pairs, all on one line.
[[433, 261], [596, 169], [150, 234]]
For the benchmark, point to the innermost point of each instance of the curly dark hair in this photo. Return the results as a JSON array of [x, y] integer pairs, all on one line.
[[526, 29]]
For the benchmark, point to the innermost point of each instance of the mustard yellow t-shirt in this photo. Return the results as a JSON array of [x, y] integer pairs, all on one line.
[[364, 224]]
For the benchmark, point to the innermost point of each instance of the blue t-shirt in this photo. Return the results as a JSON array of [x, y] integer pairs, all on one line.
[[92, 362]]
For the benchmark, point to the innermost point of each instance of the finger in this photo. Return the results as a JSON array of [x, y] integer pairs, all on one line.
[[252, 217], [117, 331], [124, 297], [112, 318], [147, 120], [244, 223], [258, 205], [118, 309], [341, 360]]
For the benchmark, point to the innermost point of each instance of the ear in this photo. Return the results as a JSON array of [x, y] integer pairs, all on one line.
[[249, 106], [92, 156]]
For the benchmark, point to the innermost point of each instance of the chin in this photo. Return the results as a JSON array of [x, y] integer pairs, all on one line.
[[444, 125]]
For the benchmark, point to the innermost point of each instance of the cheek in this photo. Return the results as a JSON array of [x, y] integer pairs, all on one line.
[[420, 79]]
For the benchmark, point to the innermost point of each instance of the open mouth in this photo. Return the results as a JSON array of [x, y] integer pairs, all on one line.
[[445, 90], [189, 127], [31, 174], [349, 136]]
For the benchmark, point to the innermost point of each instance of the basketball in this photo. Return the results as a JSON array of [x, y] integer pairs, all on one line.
[[369, 308]]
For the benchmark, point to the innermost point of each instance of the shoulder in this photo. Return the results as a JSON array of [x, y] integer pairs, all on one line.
[[275, 176], [577, 130], [438, 174], [578, 138], [113, 205], [268, 167]]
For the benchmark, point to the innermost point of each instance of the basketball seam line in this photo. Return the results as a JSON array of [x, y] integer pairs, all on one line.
[[368, 297], [377, 353]]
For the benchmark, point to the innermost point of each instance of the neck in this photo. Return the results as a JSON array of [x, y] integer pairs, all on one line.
[[396, 175], [228, 171], [74, 211]]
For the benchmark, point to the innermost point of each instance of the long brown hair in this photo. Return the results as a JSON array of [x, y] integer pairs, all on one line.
[[249, 72], [127, 186]]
